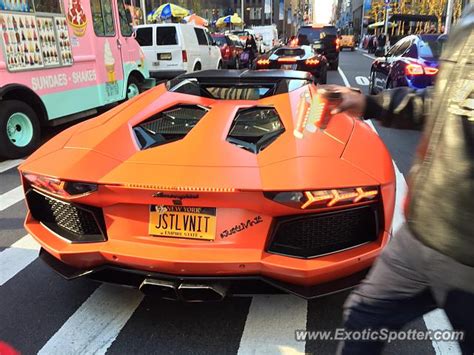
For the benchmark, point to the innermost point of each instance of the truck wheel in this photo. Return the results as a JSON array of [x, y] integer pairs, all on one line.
[[197, 67], [19, 129], [133, 87]]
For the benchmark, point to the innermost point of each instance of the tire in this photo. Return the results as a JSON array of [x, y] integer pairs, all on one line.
[[133, 88], [219, 66], [372, 83], [197, 67], [20, 131], [334, 65]]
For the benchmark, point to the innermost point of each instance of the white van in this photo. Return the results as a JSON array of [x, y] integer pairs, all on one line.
[[172, 49]]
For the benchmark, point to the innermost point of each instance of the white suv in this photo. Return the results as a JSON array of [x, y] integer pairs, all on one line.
[[172, 49]]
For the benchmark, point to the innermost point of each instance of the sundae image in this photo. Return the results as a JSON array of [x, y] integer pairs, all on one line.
[[109, 61], [77, 18]]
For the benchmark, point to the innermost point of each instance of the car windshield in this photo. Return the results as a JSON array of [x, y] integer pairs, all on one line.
[[222, 91], [309, 35], [291, 52], [430, 49], [220, 40]]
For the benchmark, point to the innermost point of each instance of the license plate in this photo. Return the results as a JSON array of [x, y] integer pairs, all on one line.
[[288, 67], [183, 222], [164, 56]]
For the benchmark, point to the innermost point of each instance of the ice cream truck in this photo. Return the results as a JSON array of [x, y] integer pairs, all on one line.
[[62, 60]]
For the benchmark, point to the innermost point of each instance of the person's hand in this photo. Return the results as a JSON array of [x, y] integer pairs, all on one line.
[[353, 102]]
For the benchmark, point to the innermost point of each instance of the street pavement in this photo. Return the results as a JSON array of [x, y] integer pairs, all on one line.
[[42, 313]]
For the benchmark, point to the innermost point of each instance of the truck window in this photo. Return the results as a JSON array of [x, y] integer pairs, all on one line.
[[145, 36], [166, 36], [126, 28], [103, 18], [49, 6], [201, 36]]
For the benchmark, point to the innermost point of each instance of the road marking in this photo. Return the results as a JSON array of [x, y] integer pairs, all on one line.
[[344, 77], [8, 164], [96, 324], [285, 314], [18, 256], [362, 80], [437, 319], [11, 197]]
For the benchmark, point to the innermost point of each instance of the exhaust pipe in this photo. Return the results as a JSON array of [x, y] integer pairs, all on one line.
[[160, 288], [202, 292]]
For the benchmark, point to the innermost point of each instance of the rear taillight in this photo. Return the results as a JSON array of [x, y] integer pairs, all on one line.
[[338, 43], [312, 61], [184, 55], [414, 70], [431, 71], [263, 62], [59, 187], [325, 198], [226, 51]]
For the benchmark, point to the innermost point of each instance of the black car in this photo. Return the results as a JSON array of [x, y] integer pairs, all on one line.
[[302, 58], [325, 36], [413, 61]]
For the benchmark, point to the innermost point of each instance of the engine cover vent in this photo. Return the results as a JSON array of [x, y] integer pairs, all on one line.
[[255, 128], [168, 126]]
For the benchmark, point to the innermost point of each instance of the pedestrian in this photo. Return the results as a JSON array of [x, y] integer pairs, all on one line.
[[251, 48], [429, 262]]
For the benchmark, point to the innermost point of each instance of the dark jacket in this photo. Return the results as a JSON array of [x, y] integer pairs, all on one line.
[[440, 201]]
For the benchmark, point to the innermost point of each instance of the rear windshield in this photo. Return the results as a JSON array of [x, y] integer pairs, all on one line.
[[309, 35], [430, 49], [234, 90], [145, 36], [291, 52], [220, 40], [166, 36]]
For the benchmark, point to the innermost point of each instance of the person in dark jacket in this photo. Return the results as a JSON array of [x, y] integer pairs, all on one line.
[[429, 263], [251, 47]]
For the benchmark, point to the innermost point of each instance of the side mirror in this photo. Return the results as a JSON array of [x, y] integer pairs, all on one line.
[[379, 52]]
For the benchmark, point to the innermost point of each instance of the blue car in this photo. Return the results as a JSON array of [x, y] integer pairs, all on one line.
[[412, 62]]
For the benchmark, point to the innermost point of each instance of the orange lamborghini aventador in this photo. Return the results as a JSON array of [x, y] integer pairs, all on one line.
[[199, 189]]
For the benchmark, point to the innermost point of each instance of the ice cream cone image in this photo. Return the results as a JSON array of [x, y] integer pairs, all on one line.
[[109, 62]]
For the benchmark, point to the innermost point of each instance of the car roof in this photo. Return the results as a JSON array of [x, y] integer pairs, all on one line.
[[248, 75]]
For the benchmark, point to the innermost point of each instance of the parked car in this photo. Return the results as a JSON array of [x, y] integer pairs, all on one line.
[[327, 36], [302, 58], [201, 186], [231, 48], [172, 49], [412, 62]]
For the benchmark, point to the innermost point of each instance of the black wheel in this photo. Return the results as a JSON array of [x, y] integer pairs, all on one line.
[[133, 88], [334, 65], [219, 66], [372, 83], [197, 67], [20, 130]]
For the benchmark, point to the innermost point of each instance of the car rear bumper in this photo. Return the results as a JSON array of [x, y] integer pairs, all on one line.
[[238, 284], [166, 74], [205, 261]]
